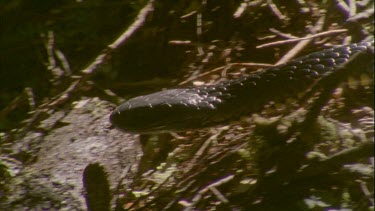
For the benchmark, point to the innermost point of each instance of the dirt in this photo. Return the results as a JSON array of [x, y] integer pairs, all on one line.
[[79, 137]]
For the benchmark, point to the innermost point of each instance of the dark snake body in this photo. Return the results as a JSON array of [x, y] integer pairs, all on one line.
[[198, 107]]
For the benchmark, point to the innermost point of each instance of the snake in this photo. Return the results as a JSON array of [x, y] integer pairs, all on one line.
[[181, 109]]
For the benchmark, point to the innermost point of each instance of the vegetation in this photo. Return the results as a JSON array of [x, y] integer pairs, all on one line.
[[56, 57]]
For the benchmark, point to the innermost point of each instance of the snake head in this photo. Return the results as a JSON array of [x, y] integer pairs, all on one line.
[[164, 111]]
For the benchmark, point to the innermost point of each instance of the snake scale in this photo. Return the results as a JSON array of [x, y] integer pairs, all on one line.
[[198, 107]]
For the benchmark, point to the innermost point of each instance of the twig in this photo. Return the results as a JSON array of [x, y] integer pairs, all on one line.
[[240, 10], [253, 64], [116, 191], [180, 42], [139, 21], [141, 18], [282, 34], [52, 66], [275, 10], [189, 14], [249, 64], [363, 3], [153, 190], [50, 46], [303, 38], [362, 15], [199, 195], [201, 150], [192, 176], [219, 195], [366, 192], [11, 106], [255, 3], [64, 62], [64, 96], [30, 97], [343, 6], [294, 51], [352, 8]]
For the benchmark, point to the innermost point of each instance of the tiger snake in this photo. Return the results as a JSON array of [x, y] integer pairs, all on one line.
[[180, 109]]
